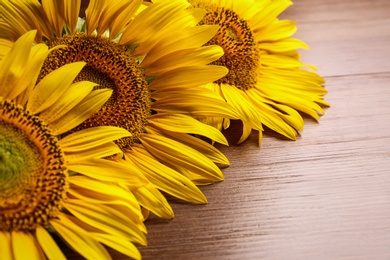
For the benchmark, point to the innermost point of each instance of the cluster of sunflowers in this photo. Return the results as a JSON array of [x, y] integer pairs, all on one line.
[[103, 116]]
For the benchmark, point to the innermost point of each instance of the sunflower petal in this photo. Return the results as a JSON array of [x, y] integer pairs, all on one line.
[[277, 30], [239, 100], [106, 219], [31, 249], [49, 246], [123, 19], [89, 105], [89, 187], [78, 238], [88, 190], [93, 13], [123, 246], [71, 10], [151, 21], [13, 66], [183, 58], [96, 198], [186, 124], [75, 93], [202, 146], [193, 76], [53, 86], [55, 14], [92, 137], [179, 156], [165, 178], [189, 38], [100, 151], [5, 245], [107, 170], [150, 198], [195, 102], [284, 45]]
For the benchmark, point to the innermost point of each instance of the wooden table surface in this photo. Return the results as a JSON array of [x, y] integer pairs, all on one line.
[[324, 196]]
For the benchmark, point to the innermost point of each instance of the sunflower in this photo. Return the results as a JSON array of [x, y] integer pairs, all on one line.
[[154, 61], [266, 84], [43, 194]]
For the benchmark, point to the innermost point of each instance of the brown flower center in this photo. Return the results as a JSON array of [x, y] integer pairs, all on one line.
[[33, 175], [241, 51], [111, 66]]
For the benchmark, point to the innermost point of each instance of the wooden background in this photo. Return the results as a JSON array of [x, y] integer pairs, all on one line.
[[324, 196]]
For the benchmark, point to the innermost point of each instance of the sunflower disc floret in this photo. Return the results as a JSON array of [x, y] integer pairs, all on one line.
[[33, 175]]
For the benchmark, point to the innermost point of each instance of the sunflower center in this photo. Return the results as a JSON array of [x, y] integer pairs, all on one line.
[[111, 66], [33, 176], [241, 52]]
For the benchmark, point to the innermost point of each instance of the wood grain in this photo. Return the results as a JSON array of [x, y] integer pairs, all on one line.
[[324, 196]]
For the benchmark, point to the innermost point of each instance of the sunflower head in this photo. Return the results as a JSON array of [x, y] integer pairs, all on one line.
[[33, 174], [241, 52], [111, 66]]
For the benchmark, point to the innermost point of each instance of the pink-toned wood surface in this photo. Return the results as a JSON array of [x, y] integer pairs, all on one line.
[[324, 196]]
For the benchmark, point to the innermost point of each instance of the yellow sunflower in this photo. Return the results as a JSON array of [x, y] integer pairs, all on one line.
[[266, 84], [153, 60], [43, 195]]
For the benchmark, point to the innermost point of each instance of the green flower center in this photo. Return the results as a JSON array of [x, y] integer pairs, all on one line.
[[111, 66], [33, 176], [241, 51]]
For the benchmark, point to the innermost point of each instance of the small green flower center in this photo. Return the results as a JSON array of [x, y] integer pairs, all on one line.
[[241, 51], [111, 66], [33, 176]]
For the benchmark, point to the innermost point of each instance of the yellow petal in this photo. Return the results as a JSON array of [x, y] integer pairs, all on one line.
[[49, 246], [240, 101], [196, 102], [96, 197], [106, 219], [93, 13], [246, 131], [55, 14], [151, 21], [185, 124], [78, 238], [5, 245], [24, 246], [23, 16], [183, 58], [89, 187], [51, 87], [100, 151], [113, 12], [189, 38], [165, 178], [150, 198], [178, 156], [284, 45], [268, 13], [193, 76], [202, 146], [123, 19], [89, 105], [123, 246], [92, 137], [6, 46], [75, 93], [107, 170], [38, 55], [71, 10], [288, 114], [13, 66], [276, 31]]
